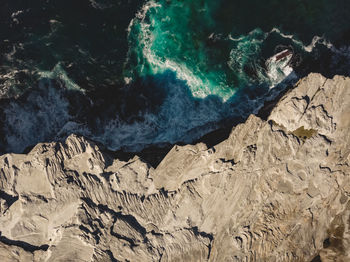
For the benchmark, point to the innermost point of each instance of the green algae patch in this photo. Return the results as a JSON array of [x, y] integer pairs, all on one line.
[[303, 133]]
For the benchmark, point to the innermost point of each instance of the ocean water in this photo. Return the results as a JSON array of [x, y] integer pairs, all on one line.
[[134, 73]]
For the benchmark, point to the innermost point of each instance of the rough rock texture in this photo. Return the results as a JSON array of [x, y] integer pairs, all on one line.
[[275, 190]]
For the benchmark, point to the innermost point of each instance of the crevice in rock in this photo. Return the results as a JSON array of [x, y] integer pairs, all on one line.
[[326, 168], [281, 129], [22, 244], [308, 100], [230, 161], [110, 254], [326, 139], [129, 219], [127, 239], [151, 155], [204, 235], [316, 259], [95, 234], [324, 111], [326, 243], [9, 199], [94, 177]]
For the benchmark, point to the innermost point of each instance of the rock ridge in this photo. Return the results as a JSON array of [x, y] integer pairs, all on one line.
[[275, 190]]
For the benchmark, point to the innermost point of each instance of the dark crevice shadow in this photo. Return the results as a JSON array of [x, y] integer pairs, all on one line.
[[9, 199], [152, 155], [316, 259], [22, 244]]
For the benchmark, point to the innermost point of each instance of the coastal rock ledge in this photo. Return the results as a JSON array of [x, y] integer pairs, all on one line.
[[275, 190]]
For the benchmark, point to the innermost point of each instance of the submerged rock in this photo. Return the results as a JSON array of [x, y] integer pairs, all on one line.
[[275, 190]]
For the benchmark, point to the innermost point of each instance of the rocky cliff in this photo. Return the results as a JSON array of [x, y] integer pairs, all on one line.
[[275, 190]]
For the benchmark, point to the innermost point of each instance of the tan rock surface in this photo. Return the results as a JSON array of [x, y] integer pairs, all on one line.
[[275, 190]]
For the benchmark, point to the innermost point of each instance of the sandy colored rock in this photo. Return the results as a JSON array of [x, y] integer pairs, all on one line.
[[275, 190]]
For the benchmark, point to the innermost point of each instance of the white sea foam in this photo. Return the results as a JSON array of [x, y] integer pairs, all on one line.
[[200, 86], [38, 119], [45, 115], [278, 70], [59, 73], [140, 15], [178, 116], [15, 15], [308, 48]]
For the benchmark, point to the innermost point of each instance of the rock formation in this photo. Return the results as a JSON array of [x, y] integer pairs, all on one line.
[[275, 190]]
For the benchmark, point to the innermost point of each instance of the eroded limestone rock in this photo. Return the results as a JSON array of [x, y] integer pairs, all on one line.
[[275, 190]]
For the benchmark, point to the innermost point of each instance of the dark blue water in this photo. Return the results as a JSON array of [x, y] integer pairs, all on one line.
[[134, 73]]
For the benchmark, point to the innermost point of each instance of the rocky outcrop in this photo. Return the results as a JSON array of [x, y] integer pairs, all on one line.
[[275, 190]]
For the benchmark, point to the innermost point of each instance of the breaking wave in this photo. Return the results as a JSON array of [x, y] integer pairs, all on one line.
[[173, 72]]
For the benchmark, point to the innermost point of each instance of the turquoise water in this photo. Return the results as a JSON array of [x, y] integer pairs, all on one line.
[[181, 36], [136, 73], [217, 46], [175, 36]]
